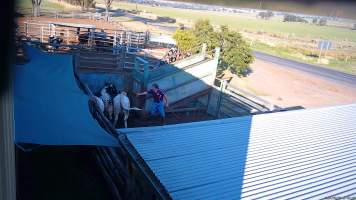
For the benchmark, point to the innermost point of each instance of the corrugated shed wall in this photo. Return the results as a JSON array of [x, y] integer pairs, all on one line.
[[7, 148], [305, 154]]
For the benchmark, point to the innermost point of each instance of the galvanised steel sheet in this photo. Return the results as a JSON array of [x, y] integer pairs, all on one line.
[[304, 154]]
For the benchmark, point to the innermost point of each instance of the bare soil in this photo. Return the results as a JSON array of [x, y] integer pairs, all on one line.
[[287, 87]]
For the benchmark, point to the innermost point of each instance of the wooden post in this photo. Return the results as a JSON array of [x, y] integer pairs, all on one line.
[[321, 50]]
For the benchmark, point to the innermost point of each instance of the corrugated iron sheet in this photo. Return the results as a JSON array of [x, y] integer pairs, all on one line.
[[305, 154]]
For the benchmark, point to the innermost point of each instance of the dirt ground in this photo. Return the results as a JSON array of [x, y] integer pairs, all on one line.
[[289, 87]]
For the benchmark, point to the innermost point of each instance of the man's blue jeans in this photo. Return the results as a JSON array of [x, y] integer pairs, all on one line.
[[157, 107]]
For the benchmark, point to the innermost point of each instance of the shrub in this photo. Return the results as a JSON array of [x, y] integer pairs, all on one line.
[[322, 22], [265, 15], [315, 20], [293, 18]]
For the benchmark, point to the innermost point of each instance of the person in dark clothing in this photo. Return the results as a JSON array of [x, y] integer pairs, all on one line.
[[159, 101]]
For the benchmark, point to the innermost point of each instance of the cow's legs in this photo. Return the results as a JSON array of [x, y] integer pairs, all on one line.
[[116, 118], [126, 116]]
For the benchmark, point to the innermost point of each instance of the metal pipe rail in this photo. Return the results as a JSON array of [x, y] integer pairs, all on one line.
[[65, 14], [74, 34], [248, 102], [118, 61]]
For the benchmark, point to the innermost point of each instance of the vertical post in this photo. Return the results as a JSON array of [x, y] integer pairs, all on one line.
[[90, 36], [129, 39], [222, 91], [138, 40], [114, 42], [50, 30], [217, 54], [145, 75], [42, 34], [321, 50], [203, 50], [147, 37], [54, 30], [26, 29], [67, 36]]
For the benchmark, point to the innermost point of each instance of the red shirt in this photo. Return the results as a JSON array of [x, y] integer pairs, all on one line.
[[157, 95]]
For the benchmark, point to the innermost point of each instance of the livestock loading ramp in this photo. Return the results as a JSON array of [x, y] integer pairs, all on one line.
[[179, 80]]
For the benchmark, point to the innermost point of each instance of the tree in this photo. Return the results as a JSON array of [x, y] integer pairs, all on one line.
[[293, 18], [236, 54], [204, 33], [36, 7], [107, 7], [186, 40], [84, 4]]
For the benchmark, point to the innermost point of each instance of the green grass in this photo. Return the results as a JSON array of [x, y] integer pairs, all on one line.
[[238, 21], [320, 8], [348, 66], [26, 4]]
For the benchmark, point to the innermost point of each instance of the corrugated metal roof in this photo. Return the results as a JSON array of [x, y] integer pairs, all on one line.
[[304, 154]]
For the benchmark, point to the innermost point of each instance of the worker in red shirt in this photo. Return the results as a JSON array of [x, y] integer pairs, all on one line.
[[159, 101]]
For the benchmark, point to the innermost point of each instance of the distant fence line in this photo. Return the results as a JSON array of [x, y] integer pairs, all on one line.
[[66, 14]]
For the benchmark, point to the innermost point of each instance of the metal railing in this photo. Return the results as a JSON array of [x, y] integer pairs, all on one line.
[[79, 37], [64, 14], [231, 97]]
